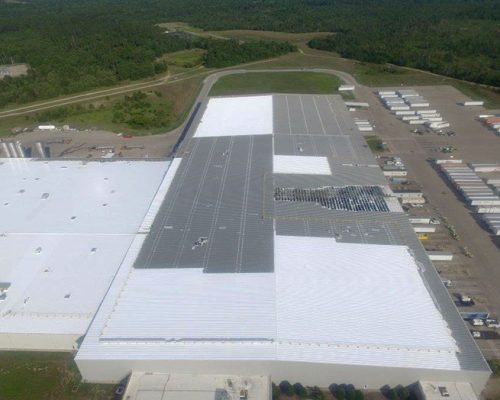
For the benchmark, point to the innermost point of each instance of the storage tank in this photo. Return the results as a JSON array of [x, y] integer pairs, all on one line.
[[20, 150], [40, 150], [5, 149], [13, 151]]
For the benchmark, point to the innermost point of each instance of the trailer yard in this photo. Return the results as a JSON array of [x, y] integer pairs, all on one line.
[[473, 270]]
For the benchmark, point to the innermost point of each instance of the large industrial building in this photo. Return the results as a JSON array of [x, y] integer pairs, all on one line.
[[279, 250], [270, 245], [65, 227]]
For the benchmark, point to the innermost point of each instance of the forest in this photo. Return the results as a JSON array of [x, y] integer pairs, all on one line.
[[79, 48], [77, 45]]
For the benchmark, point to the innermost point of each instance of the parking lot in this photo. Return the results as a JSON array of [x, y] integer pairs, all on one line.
[[474, 270]]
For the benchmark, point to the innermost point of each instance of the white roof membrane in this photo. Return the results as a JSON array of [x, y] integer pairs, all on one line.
[[370, 307], [307, 165], [76, 196], [235, 116], [388, 303], [187, 304], [59, 268]]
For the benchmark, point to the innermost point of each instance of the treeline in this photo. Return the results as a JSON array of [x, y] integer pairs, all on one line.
[[77, 45], [73, 47], [224, 53], [468, 50], [72, 53], [139, 113]]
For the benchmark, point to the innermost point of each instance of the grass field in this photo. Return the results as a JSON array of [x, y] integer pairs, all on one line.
[[177, 97], [54, 376], [380, 75], [282, 82], [374, 143], [250, 35], [185, 58]]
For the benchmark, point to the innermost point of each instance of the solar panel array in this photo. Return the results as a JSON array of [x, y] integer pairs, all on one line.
[[347, 198]]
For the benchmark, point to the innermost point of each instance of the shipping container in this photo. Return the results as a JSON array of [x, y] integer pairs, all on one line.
[[424, 228], [473, 103], [409, 117], [440, 256], [447, 161], [487, 210], [345, 88], [418, 104], [492, 120], [410, 112], [420, 220]]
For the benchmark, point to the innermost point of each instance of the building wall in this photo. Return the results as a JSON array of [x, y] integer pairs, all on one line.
[[38, 342], [110, 371]]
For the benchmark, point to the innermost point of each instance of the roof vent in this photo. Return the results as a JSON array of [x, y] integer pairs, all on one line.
[[73, 218], [45, 196], [38, 250], [93, 249], [67, 295], [22, 191]]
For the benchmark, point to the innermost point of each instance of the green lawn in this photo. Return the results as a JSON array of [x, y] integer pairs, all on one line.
[[54, 376], [177, 97], [380, 75], [276, 82], [185, 58], [374, 143]]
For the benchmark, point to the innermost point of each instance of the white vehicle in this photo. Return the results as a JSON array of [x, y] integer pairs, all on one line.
[[465, 299], [476, 334], [447, 283], [477, 322], [492, 323]]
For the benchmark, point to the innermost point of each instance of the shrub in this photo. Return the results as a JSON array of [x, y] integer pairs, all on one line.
[[286, 388], [299, 390], [495, 366], [340, 393], [393, 395], [276, 391], [404, 393], [350, 393]]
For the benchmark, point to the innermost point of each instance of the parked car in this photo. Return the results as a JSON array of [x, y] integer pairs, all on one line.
[[492, 323], [119, 391]]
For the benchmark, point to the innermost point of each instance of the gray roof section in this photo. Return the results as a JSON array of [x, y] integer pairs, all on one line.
[[311, 115], [216, 194]]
